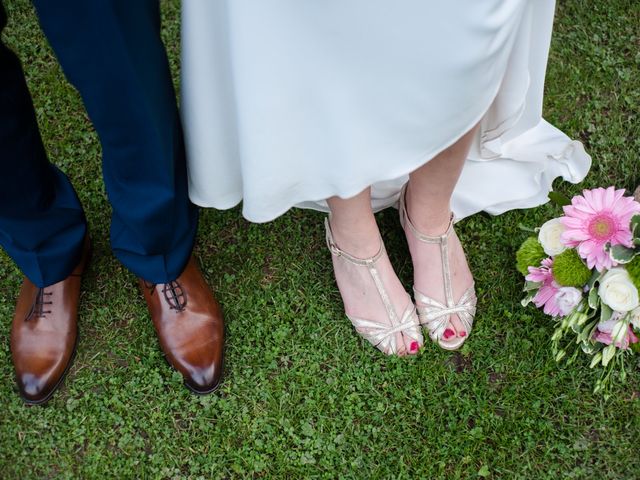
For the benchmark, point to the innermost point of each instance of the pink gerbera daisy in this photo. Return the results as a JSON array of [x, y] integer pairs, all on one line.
[[595, 218], [546, 295]]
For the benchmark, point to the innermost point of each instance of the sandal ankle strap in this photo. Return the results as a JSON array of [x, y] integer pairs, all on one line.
[[405, 220], [335, 250]]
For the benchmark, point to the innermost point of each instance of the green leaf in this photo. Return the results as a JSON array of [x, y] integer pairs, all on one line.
[[599, 387], [605, 312], [484, 471], [576, 328], [528, 299], [559, 199], [530, 286], [581, 318], [607, 354], [594, 298], [595, 360], [578, 322], [594, 278], [620, 253], [635, 226], [587, 332]]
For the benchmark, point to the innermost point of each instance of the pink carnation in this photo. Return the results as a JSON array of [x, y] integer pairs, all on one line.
[[546, 295], [595, 218], [603, 331]]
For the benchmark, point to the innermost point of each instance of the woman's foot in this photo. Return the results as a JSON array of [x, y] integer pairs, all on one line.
[[374, 299], [427, 233]]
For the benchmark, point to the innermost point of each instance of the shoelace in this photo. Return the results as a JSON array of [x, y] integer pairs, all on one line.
[[174, 294], [38, 307]]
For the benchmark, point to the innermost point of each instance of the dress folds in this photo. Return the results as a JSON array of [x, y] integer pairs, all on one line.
[[288, 102]]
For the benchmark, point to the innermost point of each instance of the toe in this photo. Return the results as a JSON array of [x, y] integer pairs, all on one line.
[[401, 347], [458, 327], [410, 345], [454, 335]]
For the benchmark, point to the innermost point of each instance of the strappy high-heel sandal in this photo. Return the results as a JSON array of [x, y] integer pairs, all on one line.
[[434, 316], [381, 335]]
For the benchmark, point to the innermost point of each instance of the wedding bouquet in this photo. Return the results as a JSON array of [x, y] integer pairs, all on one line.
[[583, 269]]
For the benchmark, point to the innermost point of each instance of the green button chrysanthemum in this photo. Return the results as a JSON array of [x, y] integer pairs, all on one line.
[[569, 270], [530, 254]]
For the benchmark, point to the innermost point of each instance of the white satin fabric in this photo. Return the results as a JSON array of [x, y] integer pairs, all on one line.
[[289, 102]]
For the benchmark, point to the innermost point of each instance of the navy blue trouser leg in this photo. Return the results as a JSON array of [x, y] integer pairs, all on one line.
[[112, 53], [41, 221]]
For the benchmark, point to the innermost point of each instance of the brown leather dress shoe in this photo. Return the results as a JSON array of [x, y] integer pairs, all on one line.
[[44, 333], [190, 327]]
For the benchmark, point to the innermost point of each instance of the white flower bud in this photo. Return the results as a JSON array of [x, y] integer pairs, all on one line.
[[635, 318], [619, 332]]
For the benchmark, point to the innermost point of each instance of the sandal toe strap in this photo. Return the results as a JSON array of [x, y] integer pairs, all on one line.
[[434, 316], [383, 336]]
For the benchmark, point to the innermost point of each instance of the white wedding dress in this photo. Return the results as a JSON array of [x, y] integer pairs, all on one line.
[[288, 102]]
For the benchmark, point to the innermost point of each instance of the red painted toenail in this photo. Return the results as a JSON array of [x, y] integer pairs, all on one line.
[[463, 334], [448, 333], [415, 346]]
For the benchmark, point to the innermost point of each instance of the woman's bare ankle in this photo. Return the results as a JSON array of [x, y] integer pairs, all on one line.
[[429, 218], [359, 238]]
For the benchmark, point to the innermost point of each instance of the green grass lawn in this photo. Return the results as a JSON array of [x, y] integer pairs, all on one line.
[[304, 395]]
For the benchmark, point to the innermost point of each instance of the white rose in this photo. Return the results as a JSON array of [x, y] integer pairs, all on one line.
[[617, 290], [549, 237], [567, 298]]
